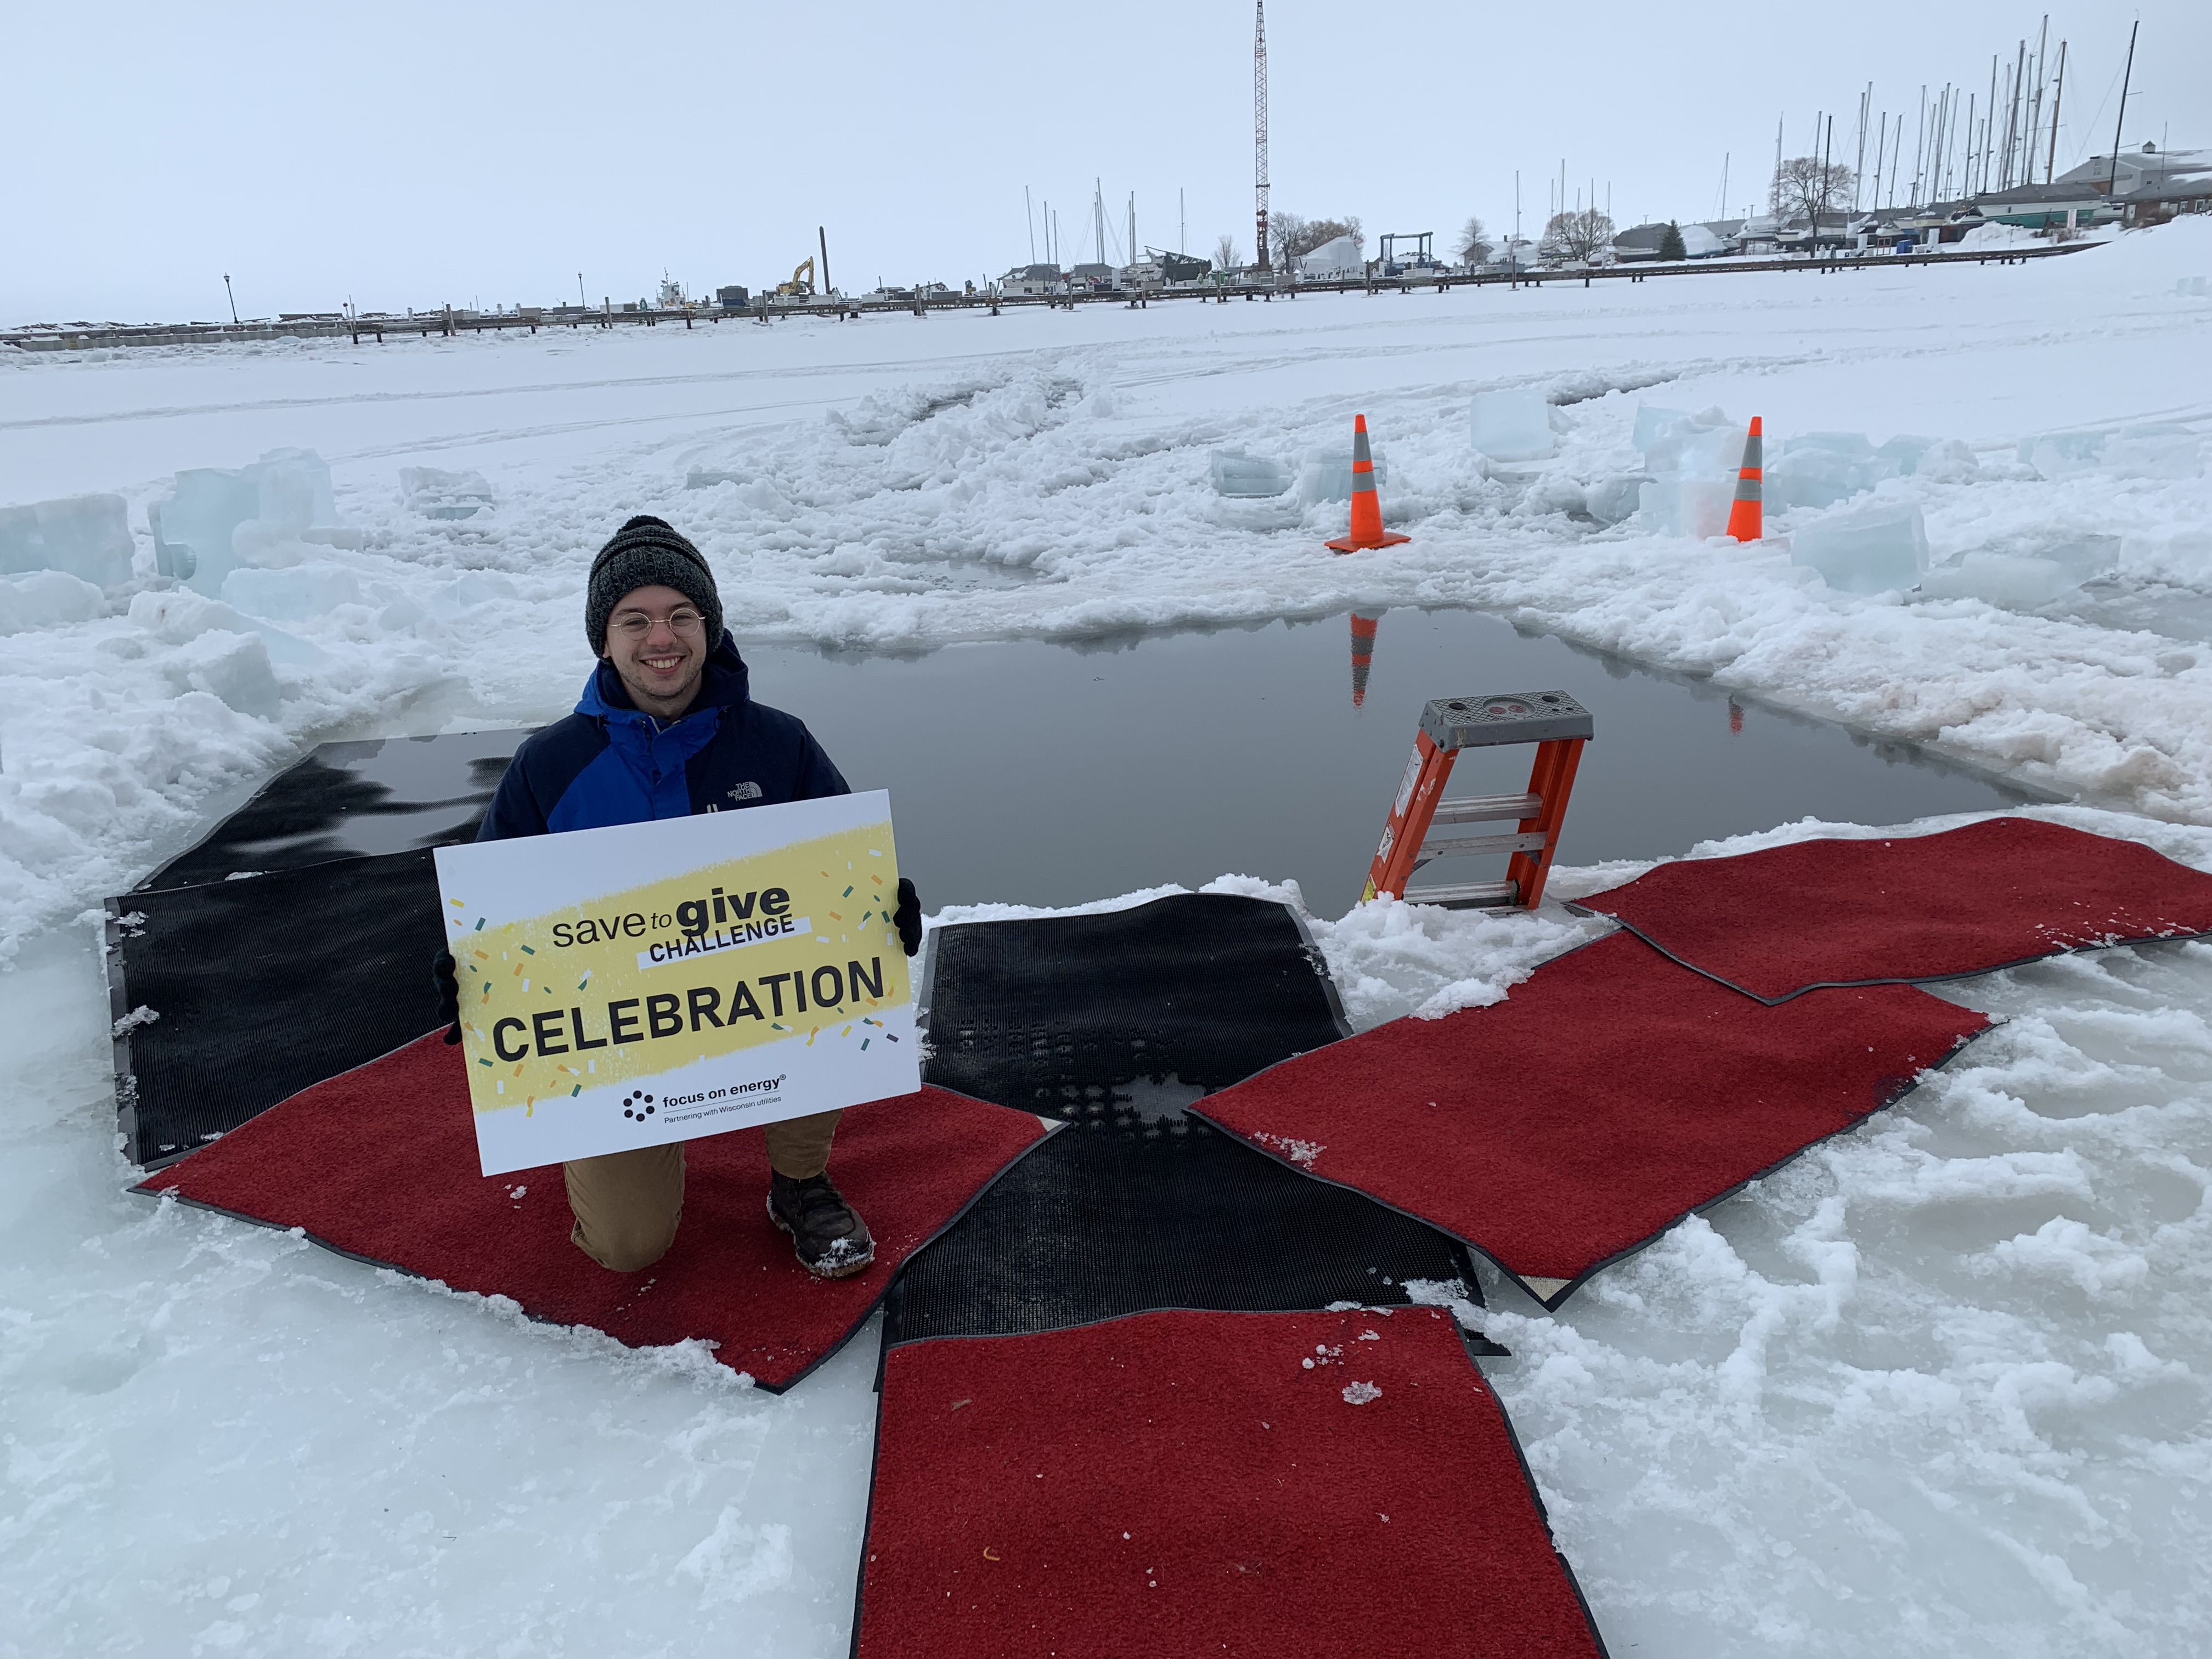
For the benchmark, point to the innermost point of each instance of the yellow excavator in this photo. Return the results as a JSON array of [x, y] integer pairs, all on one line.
[[801, 285]]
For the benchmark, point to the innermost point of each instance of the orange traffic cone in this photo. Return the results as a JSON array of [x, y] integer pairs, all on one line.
[[1363, 654], [1367, 529], [1744, 512]]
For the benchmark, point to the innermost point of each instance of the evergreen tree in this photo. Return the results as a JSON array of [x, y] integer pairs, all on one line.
[[1670, 244]]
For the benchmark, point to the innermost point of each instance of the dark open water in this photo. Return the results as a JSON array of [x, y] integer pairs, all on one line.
[[1041, 774]]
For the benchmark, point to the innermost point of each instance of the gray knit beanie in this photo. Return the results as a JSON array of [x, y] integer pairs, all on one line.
[[648, 552]]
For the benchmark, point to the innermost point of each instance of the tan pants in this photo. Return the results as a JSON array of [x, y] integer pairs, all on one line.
[[627, 1204]]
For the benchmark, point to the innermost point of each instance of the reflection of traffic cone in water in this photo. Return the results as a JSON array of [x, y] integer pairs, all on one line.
[[1363, 654], [1736, 717], [1743, 514], [1367, 529]]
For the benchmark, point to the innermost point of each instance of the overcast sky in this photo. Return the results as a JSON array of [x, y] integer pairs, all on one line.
[[413, 153]]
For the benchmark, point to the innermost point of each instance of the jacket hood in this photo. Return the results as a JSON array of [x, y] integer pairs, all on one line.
[[726, 684]]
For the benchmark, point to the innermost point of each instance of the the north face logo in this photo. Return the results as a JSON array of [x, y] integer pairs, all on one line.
[[746, 792]]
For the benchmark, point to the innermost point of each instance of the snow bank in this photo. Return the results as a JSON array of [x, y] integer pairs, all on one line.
[[2137, 264]]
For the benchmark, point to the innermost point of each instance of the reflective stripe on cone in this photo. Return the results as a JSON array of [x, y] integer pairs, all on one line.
[[1743, 520]]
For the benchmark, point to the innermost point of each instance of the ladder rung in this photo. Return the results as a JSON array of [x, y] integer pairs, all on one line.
[[1532, 841], [1480, 809], [1466, 894]]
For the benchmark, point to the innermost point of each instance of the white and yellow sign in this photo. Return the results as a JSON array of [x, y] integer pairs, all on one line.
[[652, 982]]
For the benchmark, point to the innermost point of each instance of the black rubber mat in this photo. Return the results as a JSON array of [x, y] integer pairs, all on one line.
[[1112, 1025], [231, 996], [353, 800], [1099, 1223], [1192, 993]]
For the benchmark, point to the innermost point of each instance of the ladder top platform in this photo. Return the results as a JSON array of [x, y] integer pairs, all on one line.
[[1503, 717]]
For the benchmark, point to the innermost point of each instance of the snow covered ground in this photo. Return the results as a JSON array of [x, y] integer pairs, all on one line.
[[1938, 1388]]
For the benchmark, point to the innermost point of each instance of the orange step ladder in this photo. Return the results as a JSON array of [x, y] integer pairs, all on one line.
[[1556, 724]]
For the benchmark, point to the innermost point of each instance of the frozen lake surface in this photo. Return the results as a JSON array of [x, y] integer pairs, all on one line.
[[1940, 1387]]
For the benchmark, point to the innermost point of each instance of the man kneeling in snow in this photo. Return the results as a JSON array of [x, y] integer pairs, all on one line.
[[666, 727]]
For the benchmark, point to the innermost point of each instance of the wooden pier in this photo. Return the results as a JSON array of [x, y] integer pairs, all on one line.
[[448, 323]]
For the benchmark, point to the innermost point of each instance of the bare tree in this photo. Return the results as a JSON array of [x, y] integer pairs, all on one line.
[[1474, 246], [1293, 235], [1805, 187], [1319, 231], [1580, 235], [1225, 257]]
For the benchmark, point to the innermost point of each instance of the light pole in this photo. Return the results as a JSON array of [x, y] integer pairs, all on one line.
[[231, 297]]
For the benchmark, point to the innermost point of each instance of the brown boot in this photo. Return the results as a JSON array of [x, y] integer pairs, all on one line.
[[827, 1234]]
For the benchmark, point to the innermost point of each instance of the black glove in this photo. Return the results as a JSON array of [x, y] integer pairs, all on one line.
[[907, 917], [448, 984]]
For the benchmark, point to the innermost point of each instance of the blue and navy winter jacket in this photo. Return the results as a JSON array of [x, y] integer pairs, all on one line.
[[611, 764]]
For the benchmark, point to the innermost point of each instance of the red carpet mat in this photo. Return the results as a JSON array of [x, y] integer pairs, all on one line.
[[1184, 1483], [381, 1163], [1777, 923], [1610, 1094]]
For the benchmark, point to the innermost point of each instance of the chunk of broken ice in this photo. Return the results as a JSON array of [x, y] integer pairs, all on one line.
[[234, 667], [46, 599], [87, 535], [1705, 444], [1911, 455], [1854, 446], [2083, 558], [290, 595], [216, 650], [215, 520], [470, 590], [290, 650], [1653, 424], [1257, 513], [181, 616], [1999, 579], [2160, 450], [1905, 452], [1325, 475], [1687, 459], [1878, 547], [294, 490], [1243, 476], [1611, 499], [1675, 505], [2025, 580], [1819, 468], [1813, 477], [437, 493], [1511, 426], [194, 524], [1693, 460], [2062, 454]]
